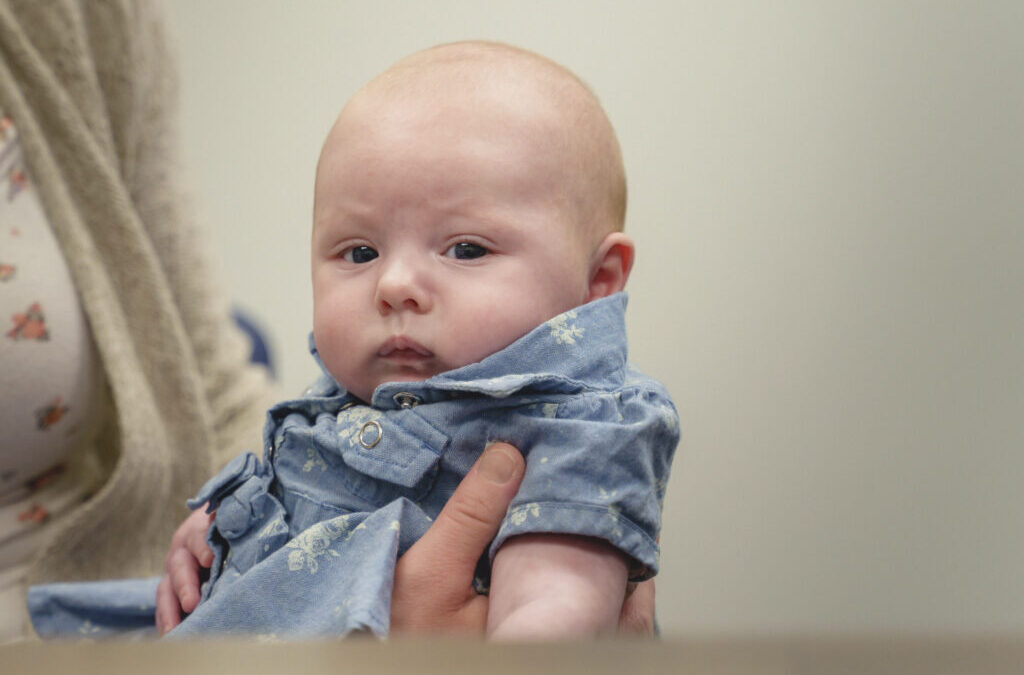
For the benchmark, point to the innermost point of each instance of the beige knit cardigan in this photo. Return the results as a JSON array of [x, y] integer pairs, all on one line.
[[92, 93]]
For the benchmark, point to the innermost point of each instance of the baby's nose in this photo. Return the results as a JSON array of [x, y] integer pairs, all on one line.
[[401, 287]]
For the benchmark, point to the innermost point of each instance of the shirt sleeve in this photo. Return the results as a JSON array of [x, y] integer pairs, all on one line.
[[597, 465]]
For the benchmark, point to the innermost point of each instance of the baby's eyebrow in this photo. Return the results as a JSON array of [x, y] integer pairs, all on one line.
[[490, 214], [344, 218], [483, 223], [327, 231]]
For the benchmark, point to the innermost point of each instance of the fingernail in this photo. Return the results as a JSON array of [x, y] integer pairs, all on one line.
[[496, 465]]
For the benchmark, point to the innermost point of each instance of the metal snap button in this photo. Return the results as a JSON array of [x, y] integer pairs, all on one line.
[[406, 400], [369, 438], [341, 411]]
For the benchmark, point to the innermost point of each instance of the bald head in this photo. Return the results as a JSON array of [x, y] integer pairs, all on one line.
[[526, 98], [466, 195]]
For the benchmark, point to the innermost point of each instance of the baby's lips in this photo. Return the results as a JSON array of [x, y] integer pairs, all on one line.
[[402, 343]]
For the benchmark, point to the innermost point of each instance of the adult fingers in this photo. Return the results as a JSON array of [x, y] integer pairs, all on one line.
[[638, 610], [474, 512], [433, 588]]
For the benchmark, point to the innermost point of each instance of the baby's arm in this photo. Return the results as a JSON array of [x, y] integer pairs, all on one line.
[[551, 586]]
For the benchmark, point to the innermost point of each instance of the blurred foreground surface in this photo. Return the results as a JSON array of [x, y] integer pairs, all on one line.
[[447, 656]]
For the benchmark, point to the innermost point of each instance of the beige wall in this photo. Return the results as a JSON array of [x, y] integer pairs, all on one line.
[[827, 204]]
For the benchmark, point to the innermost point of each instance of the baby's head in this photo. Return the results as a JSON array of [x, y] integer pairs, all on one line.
[[469, 193]]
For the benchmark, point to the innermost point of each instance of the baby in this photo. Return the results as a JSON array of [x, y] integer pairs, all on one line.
[[468, 201], [467, 261]]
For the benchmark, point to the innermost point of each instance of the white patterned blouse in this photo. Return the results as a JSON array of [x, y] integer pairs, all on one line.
[[50, 381]]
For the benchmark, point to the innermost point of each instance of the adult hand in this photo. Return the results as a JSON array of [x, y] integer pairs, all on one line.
[[433, 590], [637, 617]]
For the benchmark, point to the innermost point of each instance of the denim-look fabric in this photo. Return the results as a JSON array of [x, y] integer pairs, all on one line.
[[306, 541], [122, 608]]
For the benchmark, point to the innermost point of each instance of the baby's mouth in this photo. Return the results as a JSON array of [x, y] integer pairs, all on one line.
[[401, 348]]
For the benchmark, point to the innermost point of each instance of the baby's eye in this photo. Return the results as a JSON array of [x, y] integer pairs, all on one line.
[[466, 250], [360, 254]]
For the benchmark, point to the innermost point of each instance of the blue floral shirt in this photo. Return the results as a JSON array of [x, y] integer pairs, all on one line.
[[306, 540]]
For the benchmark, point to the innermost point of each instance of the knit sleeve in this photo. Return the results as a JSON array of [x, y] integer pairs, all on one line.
[[238, 393]]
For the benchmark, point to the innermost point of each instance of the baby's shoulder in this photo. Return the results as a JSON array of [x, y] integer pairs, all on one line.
[[635, 399]]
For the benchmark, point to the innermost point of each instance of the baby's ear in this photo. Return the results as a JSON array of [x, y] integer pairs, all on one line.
[[611, 265]]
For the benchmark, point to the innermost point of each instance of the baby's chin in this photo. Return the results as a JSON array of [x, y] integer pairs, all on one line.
[[367, 396], [416, 371]]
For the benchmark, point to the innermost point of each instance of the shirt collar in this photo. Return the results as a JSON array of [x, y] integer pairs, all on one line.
[[584, 348]]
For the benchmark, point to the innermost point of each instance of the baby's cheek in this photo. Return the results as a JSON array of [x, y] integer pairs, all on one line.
[[498, 331], [330, 337]]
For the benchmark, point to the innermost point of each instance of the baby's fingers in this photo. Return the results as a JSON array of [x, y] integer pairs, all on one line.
[[168, 611], [183, 570], [195, 538]]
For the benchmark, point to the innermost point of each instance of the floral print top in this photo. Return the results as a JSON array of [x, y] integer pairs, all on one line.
[[49, 374]]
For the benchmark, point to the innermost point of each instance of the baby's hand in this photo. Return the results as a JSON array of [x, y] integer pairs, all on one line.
[[179, 588]]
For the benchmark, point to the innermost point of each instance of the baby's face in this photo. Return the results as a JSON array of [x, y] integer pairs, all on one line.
[[444, 230]]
